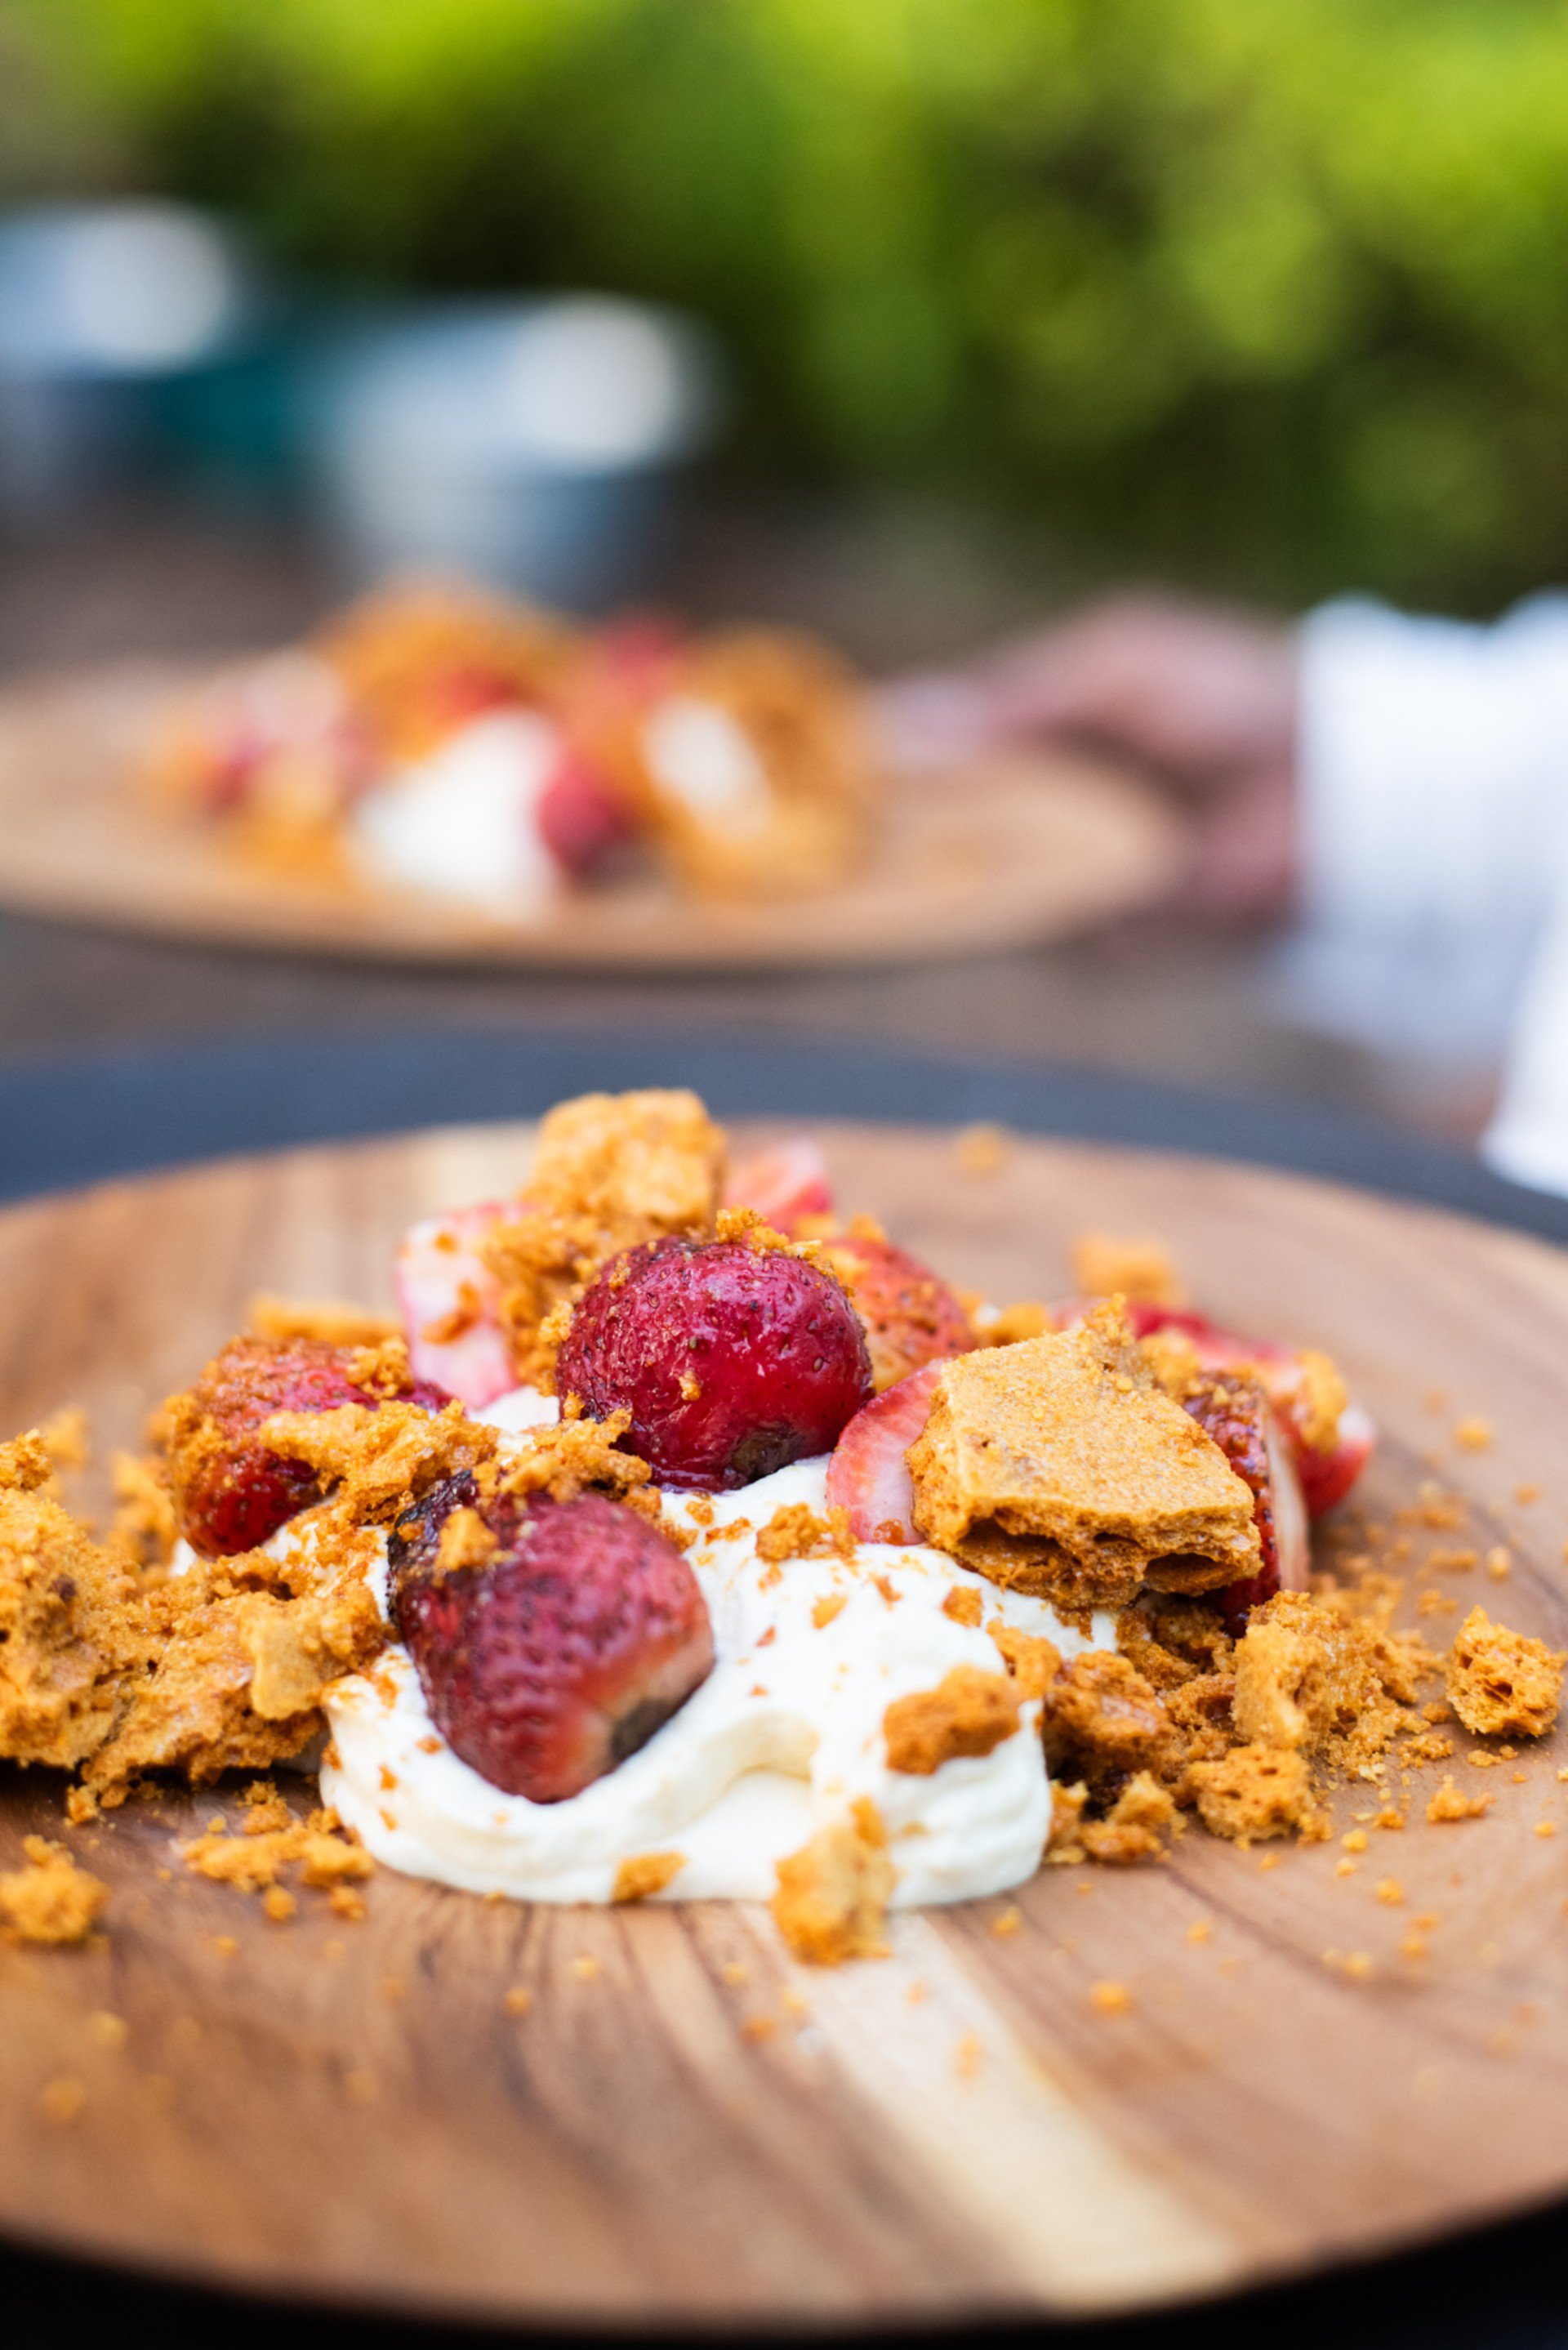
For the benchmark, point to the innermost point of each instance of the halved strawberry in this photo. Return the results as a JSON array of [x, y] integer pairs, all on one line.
[[450, 1302], [869, 1474], [1236, 1413], [782, 1183], [556, 1658], [580, 818]]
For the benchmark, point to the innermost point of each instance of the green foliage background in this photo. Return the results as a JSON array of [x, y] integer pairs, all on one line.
[[1273, 291]]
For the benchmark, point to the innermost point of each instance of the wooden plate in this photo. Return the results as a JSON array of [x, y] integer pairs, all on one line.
[[955, 2133], [1002, 854]]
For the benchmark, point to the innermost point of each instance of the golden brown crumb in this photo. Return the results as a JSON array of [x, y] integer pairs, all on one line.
[[51, 1899], [1102, 1718], [611, 1171], [1105, 1266], [1199, 1931], [794, 1530], [1063, 1847], [566, 1460], [333, 1321], [1136, 1826], [1006, 1922], [466, 1542], [833, 1894], [254, 1861], [71, 1629], [1111, 1998], [1033, 1663], [962, 1603], [824, 1610], [1256, 1791], [645, 1874], [1499, 1682], [759, 2028], [1389, 1891], [586, 1967], [1498, 1562], [1525, 1495], [1473, 1435], [517, 2000], [982, 1150], [968, 2055], [1059, 1466], [1013, 1323], [968, 1712], [1448, 1803]]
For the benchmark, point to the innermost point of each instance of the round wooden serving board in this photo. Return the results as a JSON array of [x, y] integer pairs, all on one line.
[[700, 2130], [1002, 853]]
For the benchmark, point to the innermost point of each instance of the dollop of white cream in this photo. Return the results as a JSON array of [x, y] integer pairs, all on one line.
[[462, 823], [781, 1739], [704, 757]]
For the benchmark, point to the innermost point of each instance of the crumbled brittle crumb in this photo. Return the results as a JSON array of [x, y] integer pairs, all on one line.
[[794, 1530], [1136, 1826], [1448, 1803], [1110, 1999], [1106, 1267], [968, 1712], [963, 1604], [983, 1149], [334, 1322], [833, 1894], [50, 1899], [1499, 1682], [646, 1873], [1257, 1791], [612, 1170], [317, 1847]]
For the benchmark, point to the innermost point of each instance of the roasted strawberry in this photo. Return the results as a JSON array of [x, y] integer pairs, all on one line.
[[731, 1361], [231, 1492], [869, 1474], [563, 1651], [450, 1303], [784, 1183], [909, 1315], [1235, 1412]]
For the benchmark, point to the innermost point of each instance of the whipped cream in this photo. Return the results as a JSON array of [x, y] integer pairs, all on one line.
[[462, 823], [779, 1740]]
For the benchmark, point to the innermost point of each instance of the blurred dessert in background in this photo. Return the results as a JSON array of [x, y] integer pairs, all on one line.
[[440, 738]]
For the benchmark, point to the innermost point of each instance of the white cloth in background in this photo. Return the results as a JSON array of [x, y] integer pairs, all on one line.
[[1434, 763]]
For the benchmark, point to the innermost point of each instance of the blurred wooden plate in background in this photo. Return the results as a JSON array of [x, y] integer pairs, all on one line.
[[1004, 853]]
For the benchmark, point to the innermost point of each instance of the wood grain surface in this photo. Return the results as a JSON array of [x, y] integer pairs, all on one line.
[[1006, 852], [697, 2129]]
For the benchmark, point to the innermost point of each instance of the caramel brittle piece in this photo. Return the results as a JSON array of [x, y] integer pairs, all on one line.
[[1256, 1792], [833, 1894], [1059, 1465], [71, 1623], [968, 1712], [612, 1170], [50, 1899], [1502, 1683]]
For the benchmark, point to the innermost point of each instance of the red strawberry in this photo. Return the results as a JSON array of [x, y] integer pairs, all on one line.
[[731, 1362], [580, 818], [909, 1315], [1236, 1413], [782, 1183], [1327, 1477], [229, 1493], [868, 1474], [563, 1653], [450, 1302]]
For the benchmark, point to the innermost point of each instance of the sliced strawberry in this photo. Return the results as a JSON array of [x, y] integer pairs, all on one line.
[[1237, 1414], [869, 1474], [450, 1302], [783, 1184], [1327, 1476]]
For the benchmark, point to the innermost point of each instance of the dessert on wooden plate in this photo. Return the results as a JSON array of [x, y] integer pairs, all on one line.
[[438, 738], [685, 1539]]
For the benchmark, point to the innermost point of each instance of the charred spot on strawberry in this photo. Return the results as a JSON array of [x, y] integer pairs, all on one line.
[[771, 1341]]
